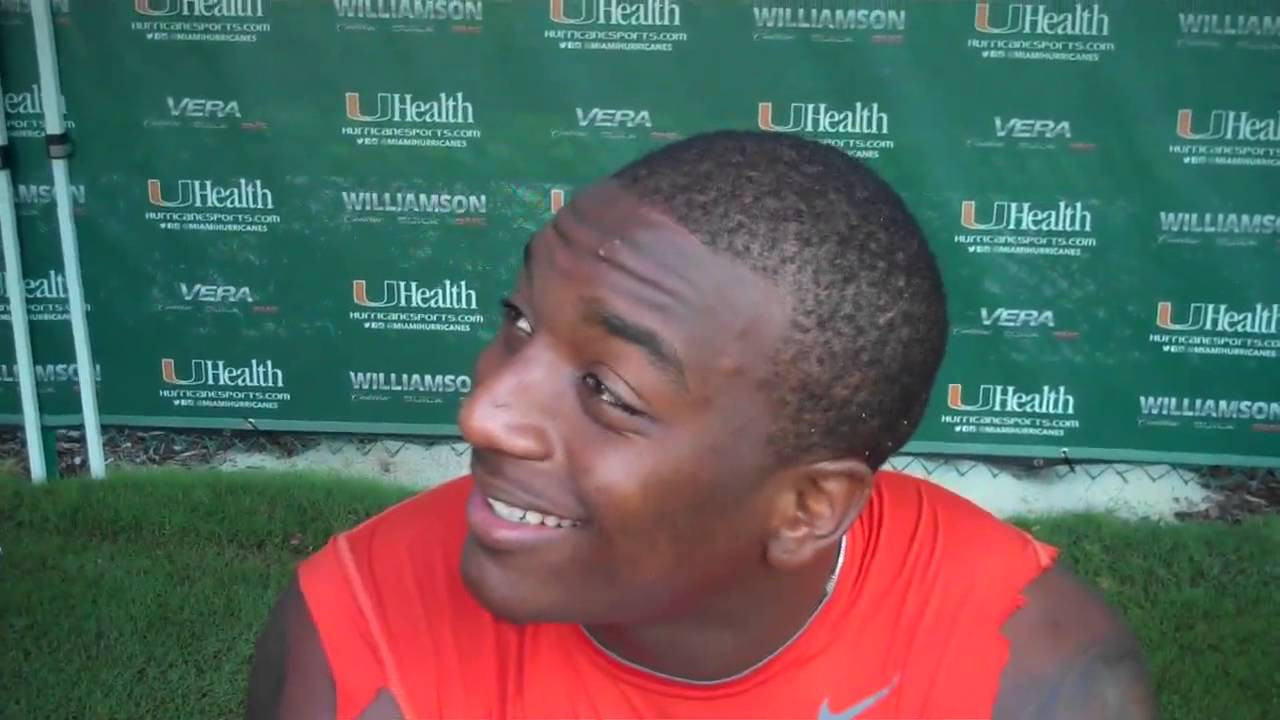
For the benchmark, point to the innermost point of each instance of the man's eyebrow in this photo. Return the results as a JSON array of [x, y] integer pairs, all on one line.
[[659, 351]]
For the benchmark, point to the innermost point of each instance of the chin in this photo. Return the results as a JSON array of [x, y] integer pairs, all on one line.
[[503, 595]]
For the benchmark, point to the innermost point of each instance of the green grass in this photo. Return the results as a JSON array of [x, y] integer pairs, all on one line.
[[140, 597]]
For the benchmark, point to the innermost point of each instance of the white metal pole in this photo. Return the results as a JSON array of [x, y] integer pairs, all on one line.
[[59, 146], [16, 290]]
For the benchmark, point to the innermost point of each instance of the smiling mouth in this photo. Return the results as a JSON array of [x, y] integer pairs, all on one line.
[[511, 513]]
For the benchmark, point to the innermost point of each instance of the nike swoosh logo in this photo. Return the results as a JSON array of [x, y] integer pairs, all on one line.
[[824, 712]]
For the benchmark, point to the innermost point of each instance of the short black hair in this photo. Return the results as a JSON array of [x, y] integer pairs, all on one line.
[[868, 326]]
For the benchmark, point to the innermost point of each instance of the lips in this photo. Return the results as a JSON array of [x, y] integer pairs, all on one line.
[[513, 502], [511, 513]]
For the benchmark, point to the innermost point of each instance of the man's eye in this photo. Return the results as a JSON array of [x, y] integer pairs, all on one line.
[[597, 387], [516, 318]]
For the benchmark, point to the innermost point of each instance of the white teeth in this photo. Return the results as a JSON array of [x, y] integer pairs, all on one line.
[[511, 513]]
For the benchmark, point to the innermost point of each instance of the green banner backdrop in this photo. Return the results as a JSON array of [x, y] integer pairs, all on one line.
[[300, 214]]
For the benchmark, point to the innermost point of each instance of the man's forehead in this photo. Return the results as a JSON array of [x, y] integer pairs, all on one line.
[[609, 208], [613, 230], [707, 305]]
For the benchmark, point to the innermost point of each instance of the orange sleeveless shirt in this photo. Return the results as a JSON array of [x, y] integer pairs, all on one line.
[[911, 629]]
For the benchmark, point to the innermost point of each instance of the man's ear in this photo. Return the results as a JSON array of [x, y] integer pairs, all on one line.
[[815, 505]]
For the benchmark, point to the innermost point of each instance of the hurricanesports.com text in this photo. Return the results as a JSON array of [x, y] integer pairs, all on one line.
[[410, 136], [244, 32], [1218, 345], [438, 322], [226, 398], [1072, 51], [40, 311], [1025, 244], [858, 147], [616, 39], [1250, 155], [1011, 425], [212, 221]]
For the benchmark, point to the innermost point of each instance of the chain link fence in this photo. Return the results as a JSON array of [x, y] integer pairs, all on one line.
[[1239, 491]]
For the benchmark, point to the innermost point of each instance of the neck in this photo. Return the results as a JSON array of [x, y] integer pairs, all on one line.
[[730, 633]]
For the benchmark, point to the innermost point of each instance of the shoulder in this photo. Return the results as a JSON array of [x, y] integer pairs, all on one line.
[[1072, 657], [436, 515], [290, 675], [324, 646], [951, 527], [375, 569], [391, 552]]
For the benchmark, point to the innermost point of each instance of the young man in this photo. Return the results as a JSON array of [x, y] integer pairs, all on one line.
[[676, 507]]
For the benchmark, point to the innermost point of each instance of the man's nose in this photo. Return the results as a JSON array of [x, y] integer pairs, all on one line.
[[508, 413]]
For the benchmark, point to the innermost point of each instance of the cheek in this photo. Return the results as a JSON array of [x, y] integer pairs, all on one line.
[[659, 502]]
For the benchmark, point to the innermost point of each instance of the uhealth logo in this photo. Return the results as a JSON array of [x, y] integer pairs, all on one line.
[[1010, 410], [1038, 31], [1200, 328], [218, 373], [1227, 137], [1039, 19], [45, 297], [448, 295], [218, 384], [1219, 317], [861, 130], [1024, 216], [615, 12], [1026, 228], [402, 119], [1238, 125], [615, 25], [50, 287], [200, 8], [24, 112], [240, 21], [404, 107], [862, 118], [207, 205], [1008, 398], [244, 194], [448, 306]]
